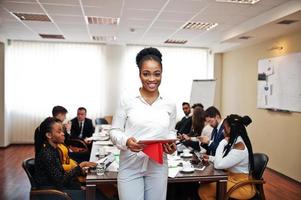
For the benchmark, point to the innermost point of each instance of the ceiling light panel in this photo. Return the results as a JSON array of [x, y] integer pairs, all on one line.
[[199, 25], [103, 20], [104, 38], [51, 36], [239, 1], [172, 41], [32, 17]]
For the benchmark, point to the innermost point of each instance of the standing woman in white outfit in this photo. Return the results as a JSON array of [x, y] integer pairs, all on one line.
[[146, 115]]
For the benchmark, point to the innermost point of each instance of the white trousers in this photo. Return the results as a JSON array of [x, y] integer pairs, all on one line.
[[140, 178]]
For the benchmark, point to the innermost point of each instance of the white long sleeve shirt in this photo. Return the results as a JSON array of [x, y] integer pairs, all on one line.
[[136, 118], [237, 161]]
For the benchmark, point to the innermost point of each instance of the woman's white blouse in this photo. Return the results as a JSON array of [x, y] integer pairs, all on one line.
[[237, 161], [136, 118]]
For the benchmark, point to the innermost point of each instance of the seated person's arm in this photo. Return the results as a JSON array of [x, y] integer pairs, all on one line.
[[233, 158], [72, 164], [213, 144], [186, 137]]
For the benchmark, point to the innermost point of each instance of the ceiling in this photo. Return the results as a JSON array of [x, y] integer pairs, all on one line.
[[151, 22]]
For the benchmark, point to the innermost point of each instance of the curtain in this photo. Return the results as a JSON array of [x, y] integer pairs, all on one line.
[[40, 75]]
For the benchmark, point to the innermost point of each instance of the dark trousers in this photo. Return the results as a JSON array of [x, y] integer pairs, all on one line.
[[183, 191]]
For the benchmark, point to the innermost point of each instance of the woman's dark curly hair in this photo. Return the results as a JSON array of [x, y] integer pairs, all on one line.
[[45, 127], [149, 53], [238, 128]]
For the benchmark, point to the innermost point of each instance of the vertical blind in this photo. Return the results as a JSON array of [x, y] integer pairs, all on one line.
[[40, 75]]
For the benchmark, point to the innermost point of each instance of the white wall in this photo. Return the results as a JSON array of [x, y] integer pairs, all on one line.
[[114, 55]]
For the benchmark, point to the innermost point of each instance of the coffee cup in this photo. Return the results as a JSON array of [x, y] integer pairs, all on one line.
[[186, 152], [187, 166], [101, 152]]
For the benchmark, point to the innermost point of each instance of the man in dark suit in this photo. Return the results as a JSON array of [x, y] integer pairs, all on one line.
[[185, 125], [213, 117], [186, 119], [82, 127]]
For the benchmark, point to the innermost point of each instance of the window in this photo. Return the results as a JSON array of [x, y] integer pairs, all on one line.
[[40, 75]]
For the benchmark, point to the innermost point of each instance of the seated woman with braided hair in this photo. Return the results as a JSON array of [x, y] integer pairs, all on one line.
[[235, 154], [49, 171]]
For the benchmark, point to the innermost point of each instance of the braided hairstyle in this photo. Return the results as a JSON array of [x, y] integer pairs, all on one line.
[[45, 127], [149, 53], [237, 128]]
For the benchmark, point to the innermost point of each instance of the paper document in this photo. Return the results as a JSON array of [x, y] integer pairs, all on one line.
[[109, 143], [173, 171]]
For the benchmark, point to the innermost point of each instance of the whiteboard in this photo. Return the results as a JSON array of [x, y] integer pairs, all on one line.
[[203, 91], [279, 83]]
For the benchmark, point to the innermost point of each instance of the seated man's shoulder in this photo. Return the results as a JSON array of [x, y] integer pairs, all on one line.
[[88, 120]]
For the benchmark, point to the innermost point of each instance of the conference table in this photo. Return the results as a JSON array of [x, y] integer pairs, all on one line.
[[209, 174]]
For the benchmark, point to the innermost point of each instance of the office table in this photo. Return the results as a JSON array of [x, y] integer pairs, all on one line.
[[209, 174]]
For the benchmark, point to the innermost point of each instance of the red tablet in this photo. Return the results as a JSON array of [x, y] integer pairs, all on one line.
[[157, 141]]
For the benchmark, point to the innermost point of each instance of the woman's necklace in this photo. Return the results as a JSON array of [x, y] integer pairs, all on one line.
[[149, 99]]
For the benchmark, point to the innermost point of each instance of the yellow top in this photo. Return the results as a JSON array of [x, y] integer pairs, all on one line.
[[67, 162]]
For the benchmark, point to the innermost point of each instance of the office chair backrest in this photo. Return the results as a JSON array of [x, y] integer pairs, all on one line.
[[260, 162], [41, 194], [28, 166], [99, 121]]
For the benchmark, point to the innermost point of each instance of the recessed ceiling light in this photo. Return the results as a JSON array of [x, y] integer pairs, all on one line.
[[32, 17], [104, 38], [51, 36], [103, 20], [239, 1], [199, 25], [287, 22], [172, 41]]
